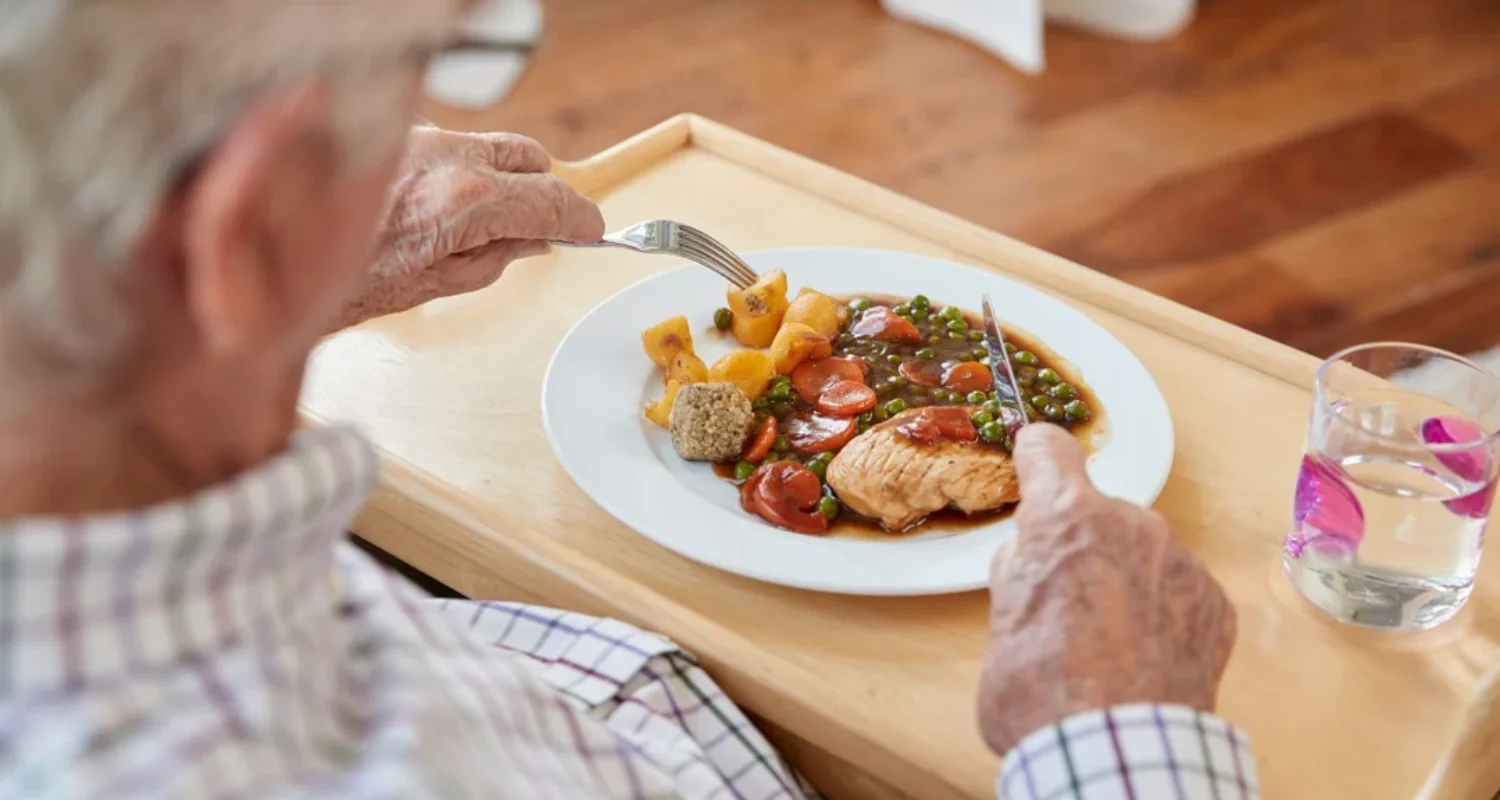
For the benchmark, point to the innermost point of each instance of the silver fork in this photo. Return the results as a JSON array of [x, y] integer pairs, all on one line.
[[668, 238]]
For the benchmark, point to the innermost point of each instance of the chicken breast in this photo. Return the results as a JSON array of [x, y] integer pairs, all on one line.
[[886, 476]]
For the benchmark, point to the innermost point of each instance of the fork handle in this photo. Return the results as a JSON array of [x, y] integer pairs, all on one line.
[[600, 243]]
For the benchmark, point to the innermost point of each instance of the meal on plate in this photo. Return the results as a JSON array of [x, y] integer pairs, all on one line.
[[871, 408]]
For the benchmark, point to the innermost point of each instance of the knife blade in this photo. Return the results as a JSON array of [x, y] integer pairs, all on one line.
[[1002, 372]]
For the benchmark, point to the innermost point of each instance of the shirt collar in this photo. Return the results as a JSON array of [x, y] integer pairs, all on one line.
[[88, 599]]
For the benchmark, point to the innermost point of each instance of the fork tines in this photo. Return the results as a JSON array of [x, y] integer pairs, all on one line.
[[715, 255]]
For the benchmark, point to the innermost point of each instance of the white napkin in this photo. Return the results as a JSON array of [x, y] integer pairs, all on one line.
[[1012, 29], [478, 79]]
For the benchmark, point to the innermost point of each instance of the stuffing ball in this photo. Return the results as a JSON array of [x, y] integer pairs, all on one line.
[[710, 422]]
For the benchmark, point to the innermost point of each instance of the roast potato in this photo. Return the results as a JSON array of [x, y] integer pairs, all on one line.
[[817, 311], [758, 310], [685, 368], [796, 343], [750, 370], [666, 339], [660, 412]]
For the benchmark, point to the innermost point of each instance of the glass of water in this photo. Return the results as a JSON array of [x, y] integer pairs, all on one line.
[[1396, 485]]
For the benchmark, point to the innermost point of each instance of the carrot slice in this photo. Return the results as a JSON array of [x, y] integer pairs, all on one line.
[[811, 378], [886, 325], [785, 495], [970, 376], [928, 425], [846, 399], [922, 373], [759, 445], [810, 432]]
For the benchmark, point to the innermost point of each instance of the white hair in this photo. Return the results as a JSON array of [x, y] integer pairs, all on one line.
[[104, 102]]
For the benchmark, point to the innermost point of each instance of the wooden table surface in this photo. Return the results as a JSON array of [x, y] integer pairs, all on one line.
[[873, 697]]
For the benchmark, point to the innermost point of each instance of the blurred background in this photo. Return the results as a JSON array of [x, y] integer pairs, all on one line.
[[1323, 172]]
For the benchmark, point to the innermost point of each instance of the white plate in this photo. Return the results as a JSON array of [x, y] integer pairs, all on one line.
[[600, 378]]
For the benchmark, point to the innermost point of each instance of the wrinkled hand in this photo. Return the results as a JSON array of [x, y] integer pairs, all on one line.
[[462, 208], [1093, 604]]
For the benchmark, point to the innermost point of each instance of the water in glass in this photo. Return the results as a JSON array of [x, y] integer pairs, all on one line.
[[1395, 487]]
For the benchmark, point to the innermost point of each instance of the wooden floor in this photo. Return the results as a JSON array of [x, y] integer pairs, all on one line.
[[1321, 171]]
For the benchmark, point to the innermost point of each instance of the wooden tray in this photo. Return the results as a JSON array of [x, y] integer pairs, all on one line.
[[872, 697]]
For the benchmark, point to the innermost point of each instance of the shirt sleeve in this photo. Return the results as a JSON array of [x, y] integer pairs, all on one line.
[[1132, 752], [646, 690]]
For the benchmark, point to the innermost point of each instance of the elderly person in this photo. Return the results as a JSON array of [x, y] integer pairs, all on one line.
[[189, 192]]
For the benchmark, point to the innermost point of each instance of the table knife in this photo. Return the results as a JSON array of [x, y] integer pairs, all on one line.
[[1006, 389]]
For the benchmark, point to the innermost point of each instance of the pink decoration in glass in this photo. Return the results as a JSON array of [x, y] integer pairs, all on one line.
[[1471, 465], [1327, 515]]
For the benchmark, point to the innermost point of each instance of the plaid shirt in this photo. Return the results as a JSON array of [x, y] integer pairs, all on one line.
[[201, 650], [1133, 752]]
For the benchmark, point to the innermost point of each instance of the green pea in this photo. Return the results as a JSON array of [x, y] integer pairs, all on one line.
[[788, 458], [1077, 411], [991, 407], [918, 400], [1053, 412], [881, 415], [866, 417], [829, 507], [934, 339], [921, 303], [940, 393], [723, 318], [1064, 391], [869, 360], [1049, 375], [1010, 348], [824, 458], [859, 304], [902, 310], [981, 418], [899, 382], [957, 325], [817, 468], [761, 403], [778, 444], [893, 359], [779, 392], [846, 338], [992, 432], [1025, 357], [926, 353], [976, 336], [781, 380], [975, 398], [864, 426], [956, 335], [742, 470], [1040, 401], [981, 352], [952, 313], [894, 407]]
